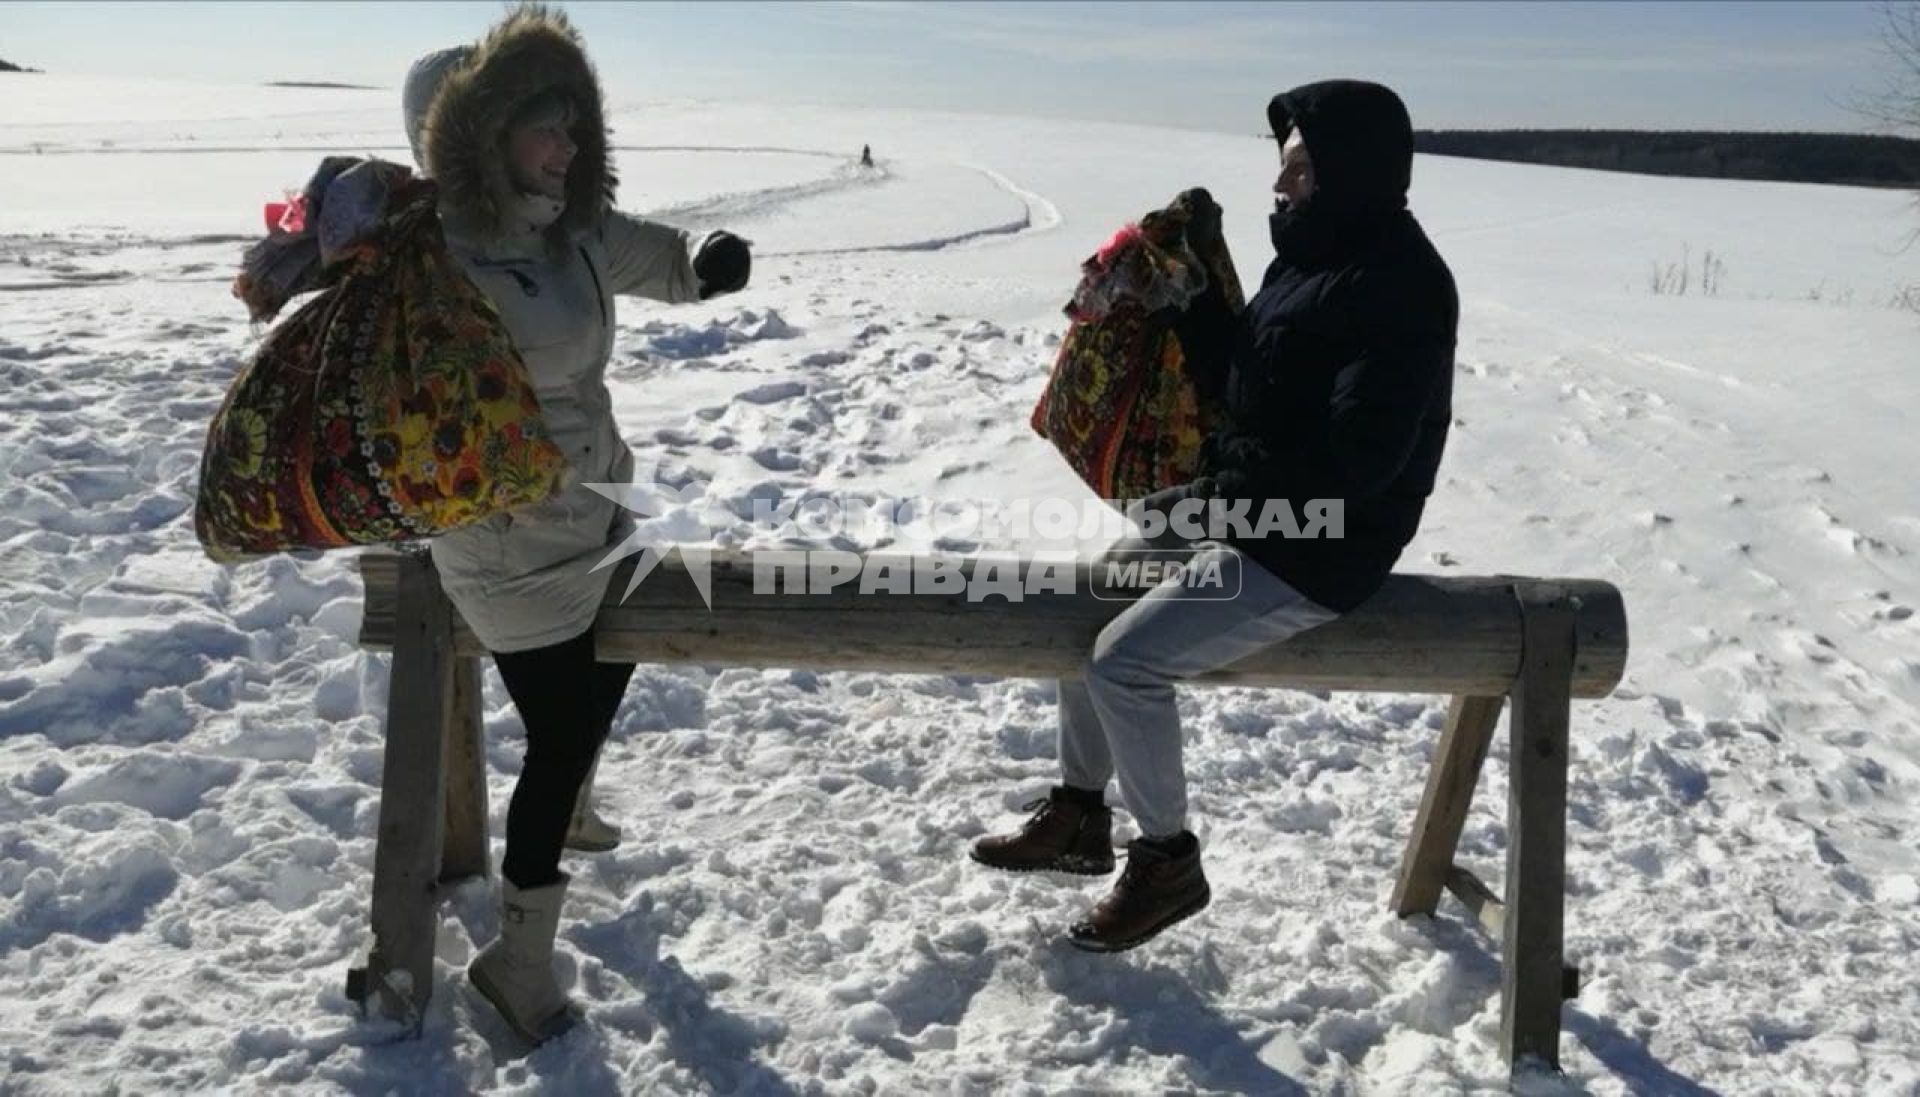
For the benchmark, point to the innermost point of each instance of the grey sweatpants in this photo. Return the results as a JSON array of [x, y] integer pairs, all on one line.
[[1120, 719]]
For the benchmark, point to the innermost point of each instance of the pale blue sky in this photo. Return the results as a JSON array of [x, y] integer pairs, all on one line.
[[1197, 65]]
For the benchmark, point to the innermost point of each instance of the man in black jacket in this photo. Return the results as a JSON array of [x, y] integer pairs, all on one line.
[[1338, 384]]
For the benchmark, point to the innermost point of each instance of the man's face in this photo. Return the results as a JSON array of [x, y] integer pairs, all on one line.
[[1295, 184]]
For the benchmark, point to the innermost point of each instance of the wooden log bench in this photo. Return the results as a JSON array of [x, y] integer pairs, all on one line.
[[1525, 645]]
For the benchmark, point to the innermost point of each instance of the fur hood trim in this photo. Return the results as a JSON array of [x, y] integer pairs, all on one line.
[[535, 49]]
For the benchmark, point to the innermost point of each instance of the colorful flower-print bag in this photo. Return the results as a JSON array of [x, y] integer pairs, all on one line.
[[1120, 406], [390, 407]]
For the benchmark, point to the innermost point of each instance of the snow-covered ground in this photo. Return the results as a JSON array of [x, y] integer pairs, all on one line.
[[189, 755]]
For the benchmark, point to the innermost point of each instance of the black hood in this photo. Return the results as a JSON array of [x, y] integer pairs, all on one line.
[[1358, 135]]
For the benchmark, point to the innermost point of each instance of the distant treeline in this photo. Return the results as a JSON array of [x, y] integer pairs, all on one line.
[[8, 66], [1838, 158]]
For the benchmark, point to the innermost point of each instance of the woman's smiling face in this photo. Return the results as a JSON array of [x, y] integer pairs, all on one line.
[[540, 150]]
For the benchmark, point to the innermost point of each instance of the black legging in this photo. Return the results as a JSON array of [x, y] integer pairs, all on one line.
[[567, 701]]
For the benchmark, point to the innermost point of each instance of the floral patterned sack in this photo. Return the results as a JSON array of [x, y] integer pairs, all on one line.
[[1119, 405], [391, 407]]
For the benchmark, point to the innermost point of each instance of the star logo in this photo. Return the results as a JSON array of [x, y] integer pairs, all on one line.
[[669, 520]]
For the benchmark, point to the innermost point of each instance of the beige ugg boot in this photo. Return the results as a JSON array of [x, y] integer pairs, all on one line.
[[587, 832], [515, 972]]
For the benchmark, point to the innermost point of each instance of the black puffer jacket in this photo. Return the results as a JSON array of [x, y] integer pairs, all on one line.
[[1338, 377]]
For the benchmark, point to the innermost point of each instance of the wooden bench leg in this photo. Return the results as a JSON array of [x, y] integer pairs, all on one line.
[[1443, 808], [406, 859], [463, 854], [1533, 979]]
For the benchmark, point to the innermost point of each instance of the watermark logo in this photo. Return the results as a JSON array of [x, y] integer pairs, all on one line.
[[1121, 574], [672, 520], [1149, 547]]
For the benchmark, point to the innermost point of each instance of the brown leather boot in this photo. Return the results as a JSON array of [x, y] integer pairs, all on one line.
[[1162, 884], [1065, 834]]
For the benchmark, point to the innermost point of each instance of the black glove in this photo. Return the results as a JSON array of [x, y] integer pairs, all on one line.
[[1203, 219], [722, 265], [1241, 466]]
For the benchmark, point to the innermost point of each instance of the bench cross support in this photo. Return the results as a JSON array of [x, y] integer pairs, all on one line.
[[433, 795], [1533, 978], [1529, 921]]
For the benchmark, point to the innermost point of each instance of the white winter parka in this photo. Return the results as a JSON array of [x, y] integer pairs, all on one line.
[[527, 578]]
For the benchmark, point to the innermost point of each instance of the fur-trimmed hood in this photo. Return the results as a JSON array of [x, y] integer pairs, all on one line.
[[458, 103]]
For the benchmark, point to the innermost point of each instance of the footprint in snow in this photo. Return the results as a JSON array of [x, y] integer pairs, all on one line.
[[774, 459], [772, 392]]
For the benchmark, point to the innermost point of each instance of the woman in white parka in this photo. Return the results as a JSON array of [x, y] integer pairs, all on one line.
[[513, 132]]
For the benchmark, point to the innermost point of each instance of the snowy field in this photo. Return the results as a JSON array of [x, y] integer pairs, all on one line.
[[189, 755]]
